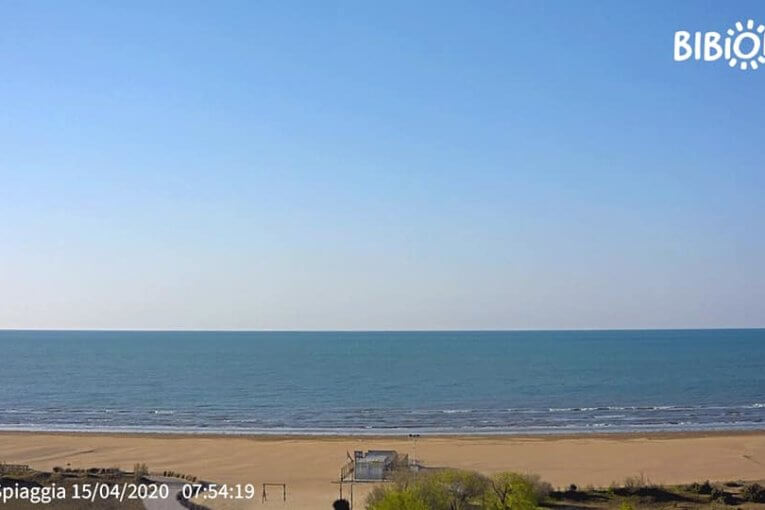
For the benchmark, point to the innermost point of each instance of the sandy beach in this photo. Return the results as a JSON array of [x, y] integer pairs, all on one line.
[[308, 465]]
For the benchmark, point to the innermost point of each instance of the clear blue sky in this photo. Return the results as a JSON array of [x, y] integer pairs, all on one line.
[[377, 165]]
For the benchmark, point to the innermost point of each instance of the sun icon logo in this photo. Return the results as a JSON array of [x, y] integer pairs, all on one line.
[[738, 50]]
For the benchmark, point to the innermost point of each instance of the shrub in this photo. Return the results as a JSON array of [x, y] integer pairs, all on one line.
[[448, 489], [636, 482], [541, 488], [406, 499], [626, 505], [451, 489], [723, 497], [140, 471], [377, 494], [754, 493], [701, 488]]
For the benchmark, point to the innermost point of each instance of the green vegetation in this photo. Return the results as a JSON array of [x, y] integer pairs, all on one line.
[[452, 489], [510, 491], [401, 499]]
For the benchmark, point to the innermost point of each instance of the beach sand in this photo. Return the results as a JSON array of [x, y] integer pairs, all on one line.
[[308, 465]]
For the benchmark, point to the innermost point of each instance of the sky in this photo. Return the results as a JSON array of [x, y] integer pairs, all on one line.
[[377, 165]]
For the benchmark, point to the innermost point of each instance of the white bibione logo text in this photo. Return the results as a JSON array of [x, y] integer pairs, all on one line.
[[742, 47]]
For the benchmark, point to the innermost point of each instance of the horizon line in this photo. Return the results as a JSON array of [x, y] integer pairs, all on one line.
[[415, 330]]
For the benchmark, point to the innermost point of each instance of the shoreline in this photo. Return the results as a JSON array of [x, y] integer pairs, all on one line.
[[341, 437]]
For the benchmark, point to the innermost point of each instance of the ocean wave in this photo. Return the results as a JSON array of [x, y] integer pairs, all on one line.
[[654, 408], [239, 419], [598, 427]]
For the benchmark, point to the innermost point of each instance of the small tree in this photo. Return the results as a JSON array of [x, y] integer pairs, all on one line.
[[452, 489], [510, 491]]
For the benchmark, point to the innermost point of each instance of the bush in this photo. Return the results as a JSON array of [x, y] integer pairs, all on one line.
[[540, 488], [754, 493], [453, 489], [406, 499], [723, 497], [140, 471], [701, 488], [636, 482]]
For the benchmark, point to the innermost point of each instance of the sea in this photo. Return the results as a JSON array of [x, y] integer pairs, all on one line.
[[383, 383]]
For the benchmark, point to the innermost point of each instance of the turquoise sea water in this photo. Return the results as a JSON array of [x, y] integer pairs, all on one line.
[[383, 382]]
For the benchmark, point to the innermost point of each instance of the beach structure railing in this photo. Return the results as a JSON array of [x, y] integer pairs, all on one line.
[[346, 472], [374, 465]]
